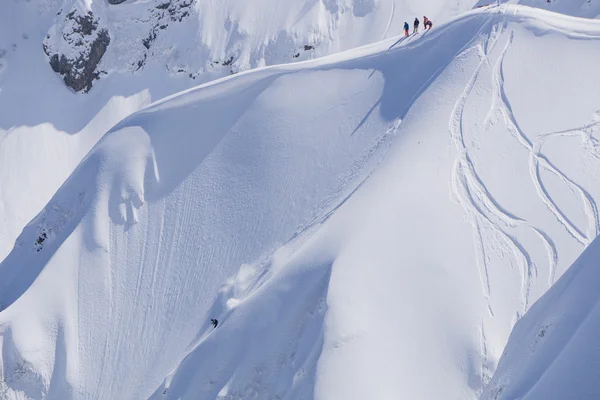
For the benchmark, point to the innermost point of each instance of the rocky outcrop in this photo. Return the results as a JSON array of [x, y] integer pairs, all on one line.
[[76, 48], [78, 42]]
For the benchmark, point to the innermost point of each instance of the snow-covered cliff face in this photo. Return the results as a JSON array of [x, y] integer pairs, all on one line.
[[81, 46], [157, 48], [368, 225], [202, 40]]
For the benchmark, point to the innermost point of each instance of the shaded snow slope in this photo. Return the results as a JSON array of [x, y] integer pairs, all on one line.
[[207, 39], [156, 48], [368, 225], [470, 218], [552, 352], [577, 8], [45, 129]]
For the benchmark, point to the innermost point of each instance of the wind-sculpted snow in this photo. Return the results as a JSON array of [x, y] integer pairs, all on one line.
[[202, 40], [156, 48], [367, 225], [577, 8], [552, 353]]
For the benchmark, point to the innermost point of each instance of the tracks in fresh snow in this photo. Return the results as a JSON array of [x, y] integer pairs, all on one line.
[[537, 161], [472, 194], [496, 228], [271, 277]]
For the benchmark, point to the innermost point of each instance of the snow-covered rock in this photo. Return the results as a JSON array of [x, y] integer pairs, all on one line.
[[75, 48], [202, 40], [367, 225]]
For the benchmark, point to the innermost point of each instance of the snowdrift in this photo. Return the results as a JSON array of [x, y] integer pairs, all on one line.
[[367, 225], [202, 40], [156, 48], [553, 351], [576, 8]]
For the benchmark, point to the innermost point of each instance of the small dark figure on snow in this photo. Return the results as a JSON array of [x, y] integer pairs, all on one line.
[[416, 25], [406, 27], [425, 20], [214, 322], [429, 24]]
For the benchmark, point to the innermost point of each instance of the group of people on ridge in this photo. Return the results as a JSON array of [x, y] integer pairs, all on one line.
[[426, 23]]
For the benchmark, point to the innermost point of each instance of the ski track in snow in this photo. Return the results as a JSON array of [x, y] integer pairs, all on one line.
[[360, 172], [471, 192], [494, 227], [483, 210], [381, 146], [485, 372], [592, 148], [327, 208], [389, 25], [473, 196], [536, 160]]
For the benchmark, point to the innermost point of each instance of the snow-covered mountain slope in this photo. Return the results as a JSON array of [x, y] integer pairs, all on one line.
[[45, 129], [156, 48], [419, 300], [368, 225], [553, 351], [577, 8], [207, 39]]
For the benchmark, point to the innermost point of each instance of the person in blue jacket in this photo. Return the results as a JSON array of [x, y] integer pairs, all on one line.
[[406, 27]]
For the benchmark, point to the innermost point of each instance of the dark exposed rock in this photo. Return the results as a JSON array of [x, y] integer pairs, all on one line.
[[142, 62], [169, 11], [39, 241], [179, 10], [308, 47], [151, 38], [79, 72], [85, 23], [76, 45]]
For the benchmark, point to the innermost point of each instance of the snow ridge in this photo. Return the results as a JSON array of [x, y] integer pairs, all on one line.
[[388, 211]]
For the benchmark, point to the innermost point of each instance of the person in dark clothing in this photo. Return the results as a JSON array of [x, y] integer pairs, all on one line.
[[416, 25], [429, 24], [425, 20], [406, 27], [214, 322]]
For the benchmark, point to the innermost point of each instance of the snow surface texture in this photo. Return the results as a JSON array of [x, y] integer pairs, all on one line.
[[553, 351], [368, 225], [577, 8], [155, 50], [208, 39]]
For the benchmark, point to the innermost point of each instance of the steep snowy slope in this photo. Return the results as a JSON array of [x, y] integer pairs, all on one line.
[[369, 225], [486, 196], [553, 351], [45, 129], [202, 40], [155, 48], [577, 8]]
